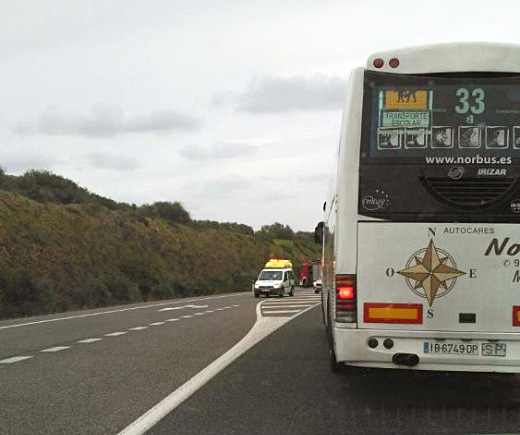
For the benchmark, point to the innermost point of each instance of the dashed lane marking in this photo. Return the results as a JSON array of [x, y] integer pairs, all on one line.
[[89, 340], [55, 349], [182, 307], [80, 316], [14, 359]]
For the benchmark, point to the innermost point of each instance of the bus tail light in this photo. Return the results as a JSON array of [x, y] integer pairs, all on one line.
[[346, 306], [516, 315]]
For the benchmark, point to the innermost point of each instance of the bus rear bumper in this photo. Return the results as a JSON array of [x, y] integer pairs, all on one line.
[[447, 351]]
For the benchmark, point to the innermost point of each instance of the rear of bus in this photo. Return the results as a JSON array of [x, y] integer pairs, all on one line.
[[422, 234]]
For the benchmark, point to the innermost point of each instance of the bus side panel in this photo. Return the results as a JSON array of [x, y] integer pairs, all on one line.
[[337, 258]]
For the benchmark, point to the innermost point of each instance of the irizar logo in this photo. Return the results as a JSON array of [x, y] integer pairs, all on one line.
[[431, 273], [492, 171]]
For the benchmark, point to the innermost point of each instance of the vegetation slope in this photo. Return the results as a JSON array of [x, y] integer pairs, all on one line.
[[64, 248]]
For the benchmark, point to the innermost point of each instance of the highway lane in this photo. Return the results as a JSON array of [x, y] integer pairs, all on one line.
[[284, 386], [96, 371]]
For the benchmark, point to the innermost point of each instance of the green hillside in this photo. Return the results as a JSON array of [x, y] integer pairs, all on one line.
[[69, 249]]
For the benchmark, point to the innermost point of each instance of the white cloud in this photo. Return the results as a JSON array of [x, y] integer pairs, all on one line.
[[220, 150], [111, 161], [104, 121], [17, 163], [275, 94]]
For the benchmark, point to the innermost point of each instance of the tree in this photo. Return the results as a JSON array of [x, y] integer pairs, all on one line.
[[171, 212], [276, 231]]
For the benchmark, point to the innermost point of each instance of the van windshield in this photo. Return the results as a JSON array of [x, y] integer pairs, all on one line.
[[270, 275]]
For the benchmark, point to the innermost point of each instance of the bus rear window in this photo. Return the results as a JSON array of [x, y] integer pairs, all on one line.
[[441, 119]]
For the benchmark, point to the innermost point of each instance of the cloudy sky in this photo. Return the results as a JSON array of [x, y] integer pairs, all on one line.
[[231, 107]]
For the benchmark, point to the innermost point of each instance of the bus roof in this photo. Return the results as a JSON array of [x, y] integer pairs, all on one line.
[[445, 58]]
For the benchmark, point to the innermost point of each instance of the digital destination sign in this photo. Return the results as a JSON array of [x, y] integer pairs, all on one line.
[[418, 116]]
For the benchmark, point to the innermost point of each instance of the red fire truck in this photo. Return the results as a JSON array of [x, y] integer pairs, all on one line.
[[311, 271]]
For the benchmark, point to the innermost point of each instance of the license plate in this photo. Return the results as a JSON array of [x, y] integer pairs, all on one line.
[[475, 349], [448, 348], [493, 349]]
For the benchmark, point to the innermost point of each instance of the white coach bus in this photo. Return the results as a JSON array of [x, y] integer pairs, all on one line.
[[421, 234]]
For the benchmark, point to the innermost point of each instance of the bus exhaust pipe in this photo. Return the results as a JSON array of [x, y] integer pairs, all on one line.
[[406, 359]]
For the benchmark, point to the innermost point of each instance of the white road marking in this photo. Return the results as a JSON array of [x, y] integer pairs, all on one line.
[[55, 349], [79, 316], [199, 314], [263, 327], [157, 323], [172, 320], [138, 328], [286, 305], [184, 306], [303, 299], [280, 311], [14, 359], [187, 317], [116, 334], [89, 340], [209, 311]]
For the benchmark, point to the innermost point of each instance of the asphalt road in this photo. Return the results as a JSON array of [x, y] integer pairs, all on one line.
[[96, 371], [282, 385]]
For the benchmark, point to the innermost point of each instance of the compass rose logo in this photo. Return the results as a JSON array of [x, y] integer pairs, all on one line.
[[431, 273]]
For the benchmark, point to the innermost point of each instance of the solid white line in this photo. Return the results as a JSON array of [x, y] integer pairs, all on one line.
[[263, 327], [79, 316], [138, 328], [280, 311], [55, 349], [14, 359], [286, 305], [157, 323], [89, 340], [305, 299], [116, 334]]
